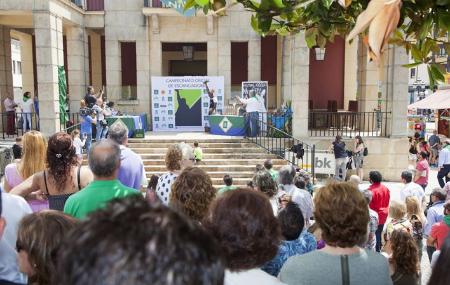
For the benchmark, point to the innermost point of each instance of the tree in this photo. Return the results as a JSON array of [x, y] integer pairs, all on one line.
[[420, 26]]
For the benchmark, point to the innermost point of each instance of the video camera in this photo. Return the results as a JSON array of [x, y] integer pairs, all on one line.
[[87, 112]]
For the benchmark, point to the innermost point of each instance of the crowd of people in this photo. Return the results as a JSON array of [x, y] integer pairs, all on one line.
[[104, 223]]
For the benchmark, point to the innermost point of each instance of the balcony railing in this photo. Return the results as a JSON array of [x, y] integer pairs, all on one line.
[[348, 124], [153, 4], [90, 5]]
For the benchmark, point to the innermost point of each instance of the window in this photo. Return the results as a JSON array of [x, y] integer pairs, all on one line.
[[412, 73], [129, 70], [442, 51], [239, 66], [14, 67], [19, 67]]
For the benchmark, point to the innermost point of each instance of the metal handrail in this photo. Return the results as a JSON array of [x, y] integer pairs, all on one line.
[[348, 124], [282, 144]]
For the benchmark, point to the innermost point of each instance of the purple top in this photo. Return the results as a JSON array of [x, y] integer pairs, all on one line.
[[14, 178], [131, 170]]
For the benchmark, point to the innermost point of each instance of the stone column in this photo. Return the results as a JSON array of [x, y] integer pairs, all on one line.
[[49, 55], [398, 92], [77, 64], [6, 81], [300, 85], [254, 59], [351, 72], [224, 63]]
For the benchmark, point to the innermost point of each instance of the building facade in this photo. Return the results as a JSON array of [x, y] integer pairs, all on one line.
[[122, 44]]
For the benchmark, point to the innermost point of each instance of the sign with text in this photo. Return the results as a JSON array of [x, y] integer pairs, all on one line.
[[182, 103], [324, 161]]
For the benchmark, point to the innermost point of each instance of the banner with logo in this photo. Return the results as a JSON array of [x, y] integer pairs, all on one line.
[[182, 103], [261, 88]]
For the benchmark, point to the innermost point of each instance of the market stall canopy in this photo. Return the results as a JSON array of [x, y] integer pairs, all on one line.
[[438, 100]]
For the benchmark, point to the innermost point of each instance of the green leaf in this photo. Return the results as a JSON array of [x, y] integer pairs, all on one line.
[[201, 3], [310, 37], [411, 65], [437, 72], [327, 3], [425, 29], [188, 5], [444, 21], [416, 53], [278, 3]]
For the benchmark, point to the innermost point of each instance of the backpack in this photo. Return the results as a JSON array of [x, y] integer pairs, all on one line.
[[417, 227], [365, 151]]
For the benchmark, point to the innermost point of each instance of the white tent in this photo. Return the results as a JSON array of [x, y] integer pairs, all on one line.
[[438, 100]]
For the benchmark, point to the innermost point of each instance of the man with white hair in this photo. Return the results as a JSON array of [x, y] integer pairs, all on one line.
[[131, 172], [299, 196]]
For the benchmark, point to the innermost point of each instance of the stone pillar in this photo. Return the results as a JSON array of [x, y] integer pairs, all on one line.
[[300, 85], [398, 92], [26, 41], [143, 72], [224, 63], [49, 55], [351, 72], [6, 81], [368, 79], [77, 64], [254, 59], [113, 69]]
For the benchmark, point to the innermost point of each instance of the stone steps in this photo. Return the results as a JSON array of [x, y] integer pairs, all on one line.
[[205, 150], [224, 161], [202, 145]]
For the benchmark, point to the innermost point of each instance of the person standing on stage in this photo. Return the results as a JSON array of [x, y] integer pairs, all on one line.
[[212, 99], [252, 106], [10, 108]]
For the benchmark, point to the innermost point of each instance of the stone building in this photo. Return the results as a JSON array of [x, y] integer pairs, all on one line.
[[121, 44]]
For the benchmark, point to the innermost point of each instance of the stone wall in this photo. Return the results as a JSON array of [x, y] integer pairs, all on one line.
[[387, 155]]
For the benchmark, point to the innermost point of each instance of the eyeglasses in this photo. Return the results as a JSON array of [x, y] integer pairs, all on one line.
[[19, 246]]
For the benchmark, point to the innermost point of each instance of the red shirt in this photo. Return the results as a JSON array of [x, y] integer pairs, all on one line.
[[439, 232], [423, 167], [380, 201]]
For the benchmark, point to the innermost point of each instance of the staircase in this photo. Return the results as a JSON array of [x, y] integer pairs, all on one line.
[[236, 157]]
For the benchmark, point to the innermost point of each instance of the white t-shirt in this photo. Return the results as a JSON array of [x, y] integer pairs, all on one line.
[[302, 198], [412, 189], [251, 104], [78, 144], [252, 276], [14, 209], [27, 107]]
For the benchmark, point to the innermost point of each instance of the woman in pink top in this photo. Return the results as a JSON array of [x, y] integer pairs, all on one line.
[[422, 170], [33, 160]]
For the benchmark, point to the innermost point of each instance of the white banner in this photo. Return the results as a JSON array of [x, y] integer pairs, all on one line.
[[182, 103]]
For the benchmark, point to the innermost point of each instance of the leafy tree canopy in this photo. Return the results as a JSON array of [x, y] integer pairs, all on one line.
[[422, 27]]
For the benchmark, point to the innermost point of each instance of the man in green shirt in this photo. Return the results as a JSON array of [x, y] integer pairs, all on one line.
[[268, 165], [104, 161], [228, 180]]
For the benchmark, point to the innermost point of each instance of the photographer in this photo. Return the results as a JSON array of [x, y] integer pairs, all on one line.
[[102, 125], [87, 119]]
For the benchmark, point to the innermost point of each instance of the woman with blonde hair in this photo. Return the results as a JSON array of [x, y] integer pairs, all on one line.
[[417, 219], [397, 213], [33, 161], [62, 177]]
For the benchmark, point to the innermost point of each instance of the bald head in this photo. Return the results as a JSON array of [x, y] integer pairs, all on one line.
[[104, 159]]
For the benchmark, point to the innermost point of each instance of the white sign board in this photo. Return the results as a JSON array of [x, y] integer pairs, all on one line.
[[182, 103], [324, 161]]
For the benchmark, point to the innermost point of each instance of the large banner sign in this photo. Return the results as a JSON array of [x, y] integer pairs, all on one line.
[[260, 88], [182, 103]]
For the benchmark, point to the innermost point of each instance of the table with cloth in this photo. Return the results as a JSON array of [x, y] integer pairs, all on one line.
[[227, 125], [133, 122]]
